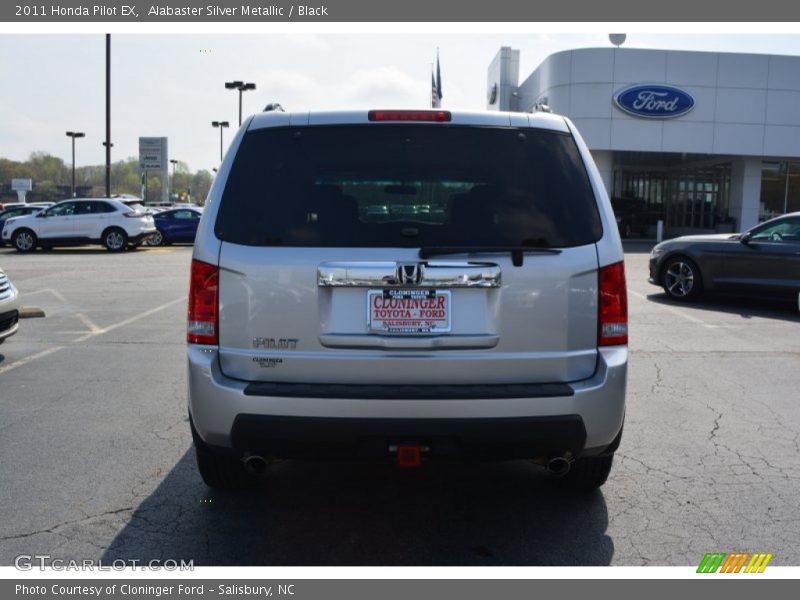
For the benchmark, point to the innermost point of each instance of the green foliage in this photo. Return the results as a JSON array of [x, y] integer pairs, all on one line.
[[52, 179]]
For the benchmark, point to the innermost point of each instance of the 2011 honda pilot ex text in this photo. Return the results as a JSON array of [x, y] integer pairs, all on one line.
[[410, 285]]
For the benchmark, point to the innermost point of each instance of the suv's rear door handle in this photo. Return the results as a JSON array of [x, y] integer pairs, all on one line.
[[428, 274], [446, 342]]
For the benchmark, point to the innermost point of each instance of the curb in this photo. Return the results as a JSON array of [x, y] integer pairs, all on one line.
[[30, 312]]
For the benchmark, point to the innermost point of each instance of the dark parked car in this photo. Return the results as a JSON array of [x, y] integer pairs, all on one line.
[[176, 225], [764, 261]]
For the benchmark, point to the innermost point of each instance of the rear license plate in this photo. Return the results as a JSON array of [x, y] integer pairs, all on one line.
[[408, 312]]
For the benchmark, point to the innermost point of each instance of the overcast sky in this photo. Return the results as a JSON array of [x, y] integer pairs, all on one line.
[[172, 85]]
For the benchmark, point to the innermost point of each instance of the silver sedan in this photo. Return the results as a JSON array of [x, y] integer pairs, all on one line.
[[9, 307]]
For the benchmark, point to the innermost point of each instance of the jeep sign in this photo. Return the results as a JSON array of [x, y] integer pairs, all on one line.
[[153, 153], [654, 101]]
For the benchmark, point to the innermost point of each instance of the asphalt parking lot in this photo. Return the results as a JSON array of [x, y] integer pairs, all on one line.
[[97, 459]]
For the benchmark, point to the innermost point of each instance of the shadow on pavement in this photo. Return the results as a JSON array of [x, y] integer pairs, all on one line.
[[637, 246], [745, 307], [369, 514]]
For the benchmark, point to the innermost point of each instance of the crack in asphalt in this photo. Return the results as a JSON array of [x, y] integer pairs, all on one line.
[[658, 380], [54, 529]]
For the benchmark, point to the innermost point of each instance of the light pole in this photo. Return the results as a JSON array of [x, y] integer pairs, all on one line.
[[73, 135], [174, 163], [242, 87], [221, 125], [108, 143]]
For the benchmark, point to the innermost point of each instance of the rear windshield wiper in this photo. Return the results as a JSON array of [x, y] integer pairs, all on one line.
[[517, 252]]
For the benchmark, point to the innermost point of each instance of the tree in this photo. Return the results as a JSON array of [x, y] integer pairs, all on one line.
[[50, 174]]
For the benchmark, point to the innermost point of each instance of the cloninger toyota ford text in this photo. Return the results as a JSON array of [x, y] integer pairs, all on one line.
[[407, 285]]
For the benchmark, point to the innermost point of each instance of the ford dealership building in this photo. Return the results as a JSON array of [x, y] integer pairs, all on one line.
[[703, 141]]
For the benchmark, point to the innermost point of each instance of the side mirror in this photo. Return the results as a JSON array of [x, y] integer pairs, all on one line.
[[41, 215], [745, 237]]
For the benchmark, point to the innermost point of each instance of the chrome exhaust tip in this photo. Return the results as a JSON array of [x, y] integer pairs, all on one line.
[[255, 465], [559, 466]]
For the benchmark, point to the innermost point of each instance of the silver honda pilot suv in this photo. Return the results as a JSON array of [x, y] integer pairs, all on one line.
[[407, 285]]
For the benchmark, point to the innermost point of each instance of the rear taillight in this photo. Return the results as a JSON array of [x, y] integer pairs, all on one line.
[[439, 116], [132, 215], [613, 302], [201, 327]]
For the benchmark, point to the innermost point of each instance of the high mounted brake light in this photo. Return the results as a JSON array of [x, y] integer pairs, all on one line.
[[613, 306], [201, 326], [439, 116]]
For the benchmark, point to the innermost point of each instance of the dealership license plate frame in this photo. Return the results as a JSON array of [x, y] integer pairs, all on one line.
[[410, 330]]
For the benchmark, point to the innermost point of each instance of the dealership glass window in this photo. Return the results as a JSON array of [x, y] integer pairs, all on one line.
[[685, 197], [780, 189], [793, 189]]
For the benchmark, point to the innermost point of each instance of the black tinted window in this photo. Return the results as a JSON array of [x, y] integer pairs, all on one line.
[[62, 210], [780, 230], [405, 185]]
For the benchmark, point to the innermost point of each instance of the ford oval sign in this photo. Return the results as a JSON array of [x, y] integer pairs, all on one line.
[[654, 101]]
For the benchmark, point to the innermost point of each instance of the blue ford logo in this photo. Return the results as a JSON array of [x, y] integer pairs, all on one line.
[[654, 101]]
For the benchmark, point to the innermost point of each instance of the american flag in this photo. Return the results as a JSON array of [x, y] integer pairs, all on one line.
[[436, 85]]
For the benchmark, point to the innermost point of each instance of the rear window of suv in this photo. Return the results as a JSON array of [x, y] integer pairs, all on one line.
[[408, 186]]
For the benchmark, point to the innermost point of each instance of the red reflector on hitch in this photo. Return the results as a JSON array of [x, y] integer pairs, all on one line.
[[409, 457]]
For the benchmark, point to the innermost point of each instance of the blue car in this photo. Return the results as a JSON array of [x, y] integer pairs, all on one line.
[[18, 211], [176, 225]]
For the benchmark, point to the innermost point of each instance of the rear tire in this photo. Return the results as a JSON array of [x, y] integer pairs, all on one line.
[[588, 473], [681, 279], [219, 471], [24, 241], [115, 240], [157, 239]]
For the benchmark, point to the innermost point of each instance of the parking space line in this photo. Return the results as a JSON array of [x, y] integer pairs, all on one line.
[[89, 323], [28, 359], [99, 331], [130, 320], [55, 293], [675, 311]]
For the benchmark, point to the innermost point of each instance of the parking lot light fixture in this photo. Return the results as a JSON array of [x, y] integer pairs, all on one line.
[[174, 164], [73, 135], [221, 125], [241, 86]]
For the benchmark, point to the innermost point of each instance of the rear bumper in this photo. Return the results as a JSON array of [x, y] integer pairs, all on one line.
[[586, 420], [314, 437]]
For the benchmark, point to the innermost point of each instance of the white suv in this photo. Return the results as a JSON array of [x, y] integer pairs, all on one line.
[[103, 221]]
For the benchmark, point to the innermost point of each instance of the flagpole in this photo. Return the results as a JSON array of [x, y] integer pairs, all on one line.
[[430, 95], [438, 80]]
